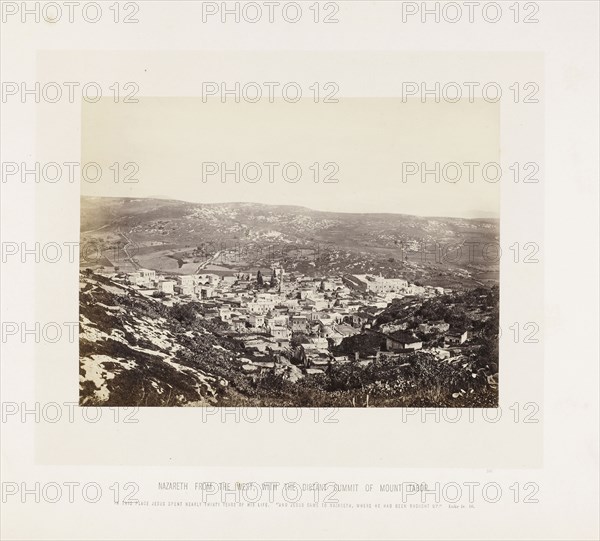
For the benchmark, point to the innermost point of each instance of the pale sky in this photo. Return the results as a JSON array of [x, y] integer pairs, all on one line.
[[368, 139]]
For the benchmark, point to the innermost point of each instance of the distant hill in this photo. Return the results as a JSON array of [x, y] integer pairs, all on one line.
[[291, 221], [351, 242]]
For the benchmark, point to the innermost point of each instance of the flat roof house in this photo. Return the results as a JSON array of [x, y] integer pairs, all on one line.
[[455, 338], [401, 340]]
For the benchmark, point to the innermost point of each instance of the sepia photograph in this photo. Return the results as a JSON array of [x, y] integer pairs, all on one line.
[[321, 298]]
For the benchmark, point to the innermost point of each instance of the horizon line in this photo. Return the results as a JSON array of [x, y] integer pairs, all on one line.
[[166, 198]]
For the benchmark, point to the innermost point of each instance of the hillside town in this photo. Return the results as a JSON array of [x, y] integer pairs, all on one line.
[[310, 320]]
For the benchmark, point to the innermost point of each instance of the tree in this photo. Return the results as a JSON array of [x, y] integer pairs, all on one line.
[[273, 279], [259, 279], [184, 313]]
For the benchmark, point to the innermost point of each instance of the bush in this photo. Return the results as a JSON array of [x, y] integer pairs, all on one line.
[[184, 313]]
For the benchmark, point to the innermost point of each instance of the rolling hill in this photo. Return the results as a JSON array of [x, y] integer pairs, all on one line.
[[253, 234]]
